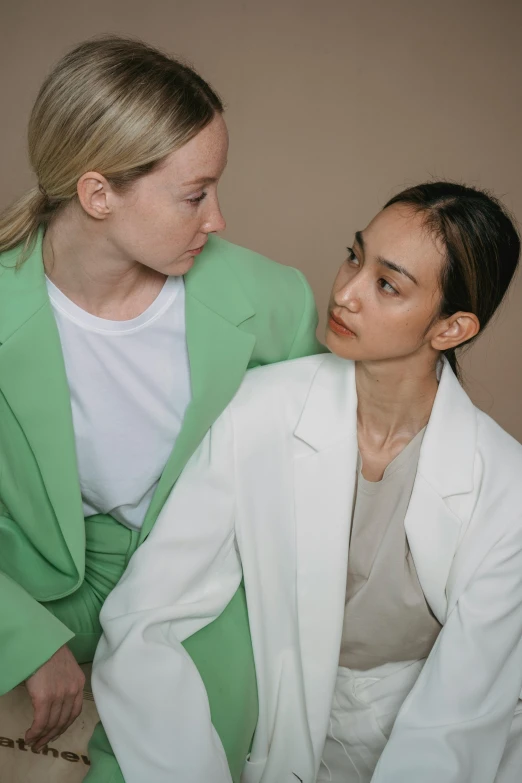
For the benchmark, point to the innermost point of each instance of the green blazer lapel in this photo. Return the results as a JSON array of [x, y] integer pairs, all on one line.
[[34, 384], [219, 353]]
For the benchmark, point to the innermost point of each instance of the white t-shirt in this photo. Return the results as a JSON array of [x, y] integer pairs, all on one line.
[[130, 386]]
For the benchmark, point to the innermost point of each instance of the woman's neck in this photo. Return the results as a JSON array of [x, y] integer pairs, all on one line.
[[394, 399], [80, 261]]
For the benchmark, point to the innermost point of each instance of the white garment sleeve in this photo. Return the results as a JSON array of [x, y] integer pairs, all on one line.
[[455, 722], [149, 694]]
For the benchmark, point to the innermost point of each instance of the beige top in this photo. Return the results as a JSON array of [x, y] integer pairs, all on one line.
[[386, 617]]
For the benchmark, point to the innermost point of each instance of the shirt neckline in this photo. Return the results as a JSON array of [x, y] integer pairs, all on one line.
[[79, 316], [399, 462]]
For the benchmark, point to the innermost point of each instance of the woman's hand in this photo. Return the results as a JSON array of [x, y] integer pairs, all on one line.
[[56, 691]]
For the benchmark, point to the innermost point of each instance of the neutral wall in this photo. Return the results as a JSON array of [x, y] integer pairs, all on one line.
[[333, 106]]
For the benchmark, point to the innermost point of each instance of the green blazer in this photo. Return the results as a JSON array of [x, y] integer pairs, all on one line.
[[242, 310]]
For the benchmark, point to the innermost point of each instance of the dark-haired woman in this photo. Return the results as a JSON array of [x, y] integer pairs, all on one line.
[[126, 327], [378, 517]]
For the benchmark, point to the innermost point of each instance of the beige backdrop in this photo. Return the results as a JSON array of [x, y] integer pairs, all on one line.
[[333, 106]]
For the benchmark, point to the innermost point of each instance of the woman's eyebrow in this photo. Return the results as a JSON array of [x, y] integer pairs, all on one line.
[[359, 239], [388, 264], [397, 268], [202, 181]]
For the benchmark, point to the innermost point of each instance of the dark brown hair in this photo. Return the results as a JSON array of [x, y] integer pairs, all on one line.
[[481, 243]]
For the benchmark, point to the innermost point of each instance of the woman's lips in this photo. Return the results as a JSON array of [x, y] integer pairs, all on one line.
[[337, 326], [196, 250]]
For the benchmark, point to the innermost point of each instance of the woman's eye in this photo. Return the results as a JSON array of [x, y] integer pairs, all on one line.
[[387, 287], [196, 199], [352, 258]]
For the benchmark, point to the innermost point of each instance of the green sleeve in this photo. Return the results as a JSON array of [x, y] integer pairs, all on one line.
[[305, 342], [104, 766], [29, 634]]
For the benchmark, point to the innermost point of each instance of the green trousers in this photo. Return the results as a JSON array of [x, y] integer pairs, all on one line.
[[222, 652]]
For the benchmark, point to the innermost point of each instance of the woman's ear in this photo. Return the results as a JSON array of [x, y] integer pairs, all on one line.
[[94, 194], [455, 330]]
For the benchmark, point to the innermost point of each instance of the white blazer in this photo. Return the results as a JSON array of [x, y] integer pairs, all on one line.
[[275, 478]]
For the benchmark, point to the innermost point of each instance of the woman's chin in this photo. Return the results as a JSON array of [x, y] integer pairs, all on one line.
[[343, 347], [179, 267]]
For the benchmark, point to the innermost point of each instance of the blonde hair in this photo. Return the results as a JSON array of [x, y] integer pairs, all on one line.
[[113, 105]]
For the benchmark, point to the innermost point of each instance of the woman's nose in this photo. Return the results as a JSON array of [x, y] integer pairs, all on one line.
[[349, 298], [215, 221]]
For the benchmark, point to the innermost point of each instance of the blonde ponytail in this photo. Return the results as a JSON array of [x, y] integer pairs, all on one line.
[[113, 105], [20, 222]]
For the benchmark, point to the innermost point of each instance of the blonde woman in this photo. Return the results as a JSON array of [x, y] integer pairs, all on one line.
[[378, 518], [126, 327]]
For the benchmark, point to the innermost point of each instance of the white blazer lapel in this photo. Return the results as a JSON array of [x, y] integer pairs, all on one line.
[[433, 533], [325, 467], [445, 470]]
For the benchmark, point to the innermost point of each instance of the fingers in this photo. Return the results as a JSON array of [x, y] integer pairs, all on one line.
[[56, 690], [69, 714], [60, 716], [50, 728], [42, 709], [75, 712]]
